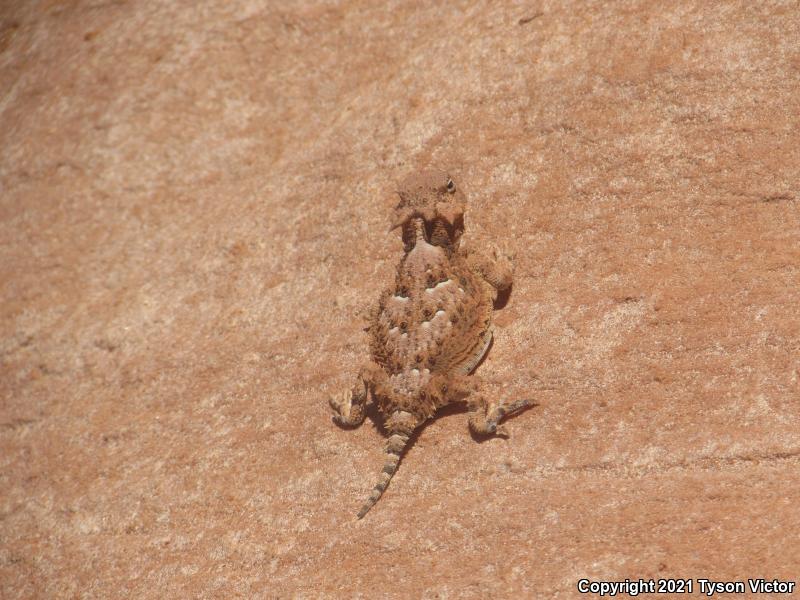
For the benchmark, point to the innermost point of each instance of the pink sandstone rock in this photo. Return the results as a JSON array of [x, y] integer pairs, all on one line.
[[193, 209]]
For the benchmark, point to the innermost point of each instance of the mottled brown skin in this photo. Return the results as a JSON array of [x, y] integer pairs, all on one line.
[[430, 330]]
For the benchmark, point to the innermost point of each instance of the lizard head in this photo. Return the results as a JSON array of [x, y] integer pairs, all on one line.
[[431, 205]]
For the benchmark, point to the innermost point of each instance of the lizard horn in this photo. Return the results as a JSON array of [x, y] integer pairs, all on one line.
[[400, 216]]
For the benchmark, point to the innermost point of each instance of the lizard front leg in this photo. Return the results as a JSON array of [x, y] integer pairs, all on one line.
[[494, 266]]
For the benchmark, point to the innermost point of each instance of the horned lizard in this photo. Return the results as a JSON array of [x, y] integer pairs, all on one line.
[[430, 330]]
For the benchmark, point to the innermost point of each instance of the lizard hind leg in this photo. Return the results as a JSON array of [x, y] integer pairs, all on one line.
[[485, 416], [485, 419], [400, 424], [349, 407]]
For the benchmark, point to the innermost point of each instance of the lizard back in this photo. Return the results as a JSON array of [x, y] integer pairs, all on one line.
[[432, 323]]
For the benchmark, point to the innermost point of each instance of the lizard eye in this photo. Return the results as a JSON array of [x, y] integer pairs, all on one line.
[[451, 186]]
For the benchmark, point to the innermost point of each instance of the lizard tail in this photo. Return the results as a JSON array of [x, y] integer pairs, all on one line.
[[394, 449]]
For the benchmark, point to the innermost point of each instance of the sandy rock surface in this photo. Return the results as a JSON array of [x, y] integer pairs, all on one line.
[[194, 200]]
